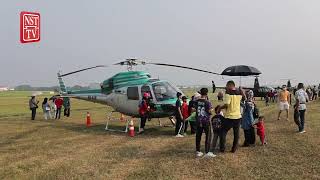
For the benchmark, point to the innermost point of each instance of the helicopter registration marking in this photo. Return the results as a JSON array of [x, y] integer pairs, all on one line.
[[92, 97]]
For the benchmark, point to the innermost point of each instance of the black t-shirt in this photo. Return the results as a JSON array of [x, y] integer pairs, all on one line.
[[178, 106], [203, 110]]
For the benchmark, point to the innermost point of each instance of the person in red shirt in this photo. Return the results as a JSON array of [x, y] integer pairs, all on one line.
[[185, 113], [261, 130], [58, 102], [143, 111]]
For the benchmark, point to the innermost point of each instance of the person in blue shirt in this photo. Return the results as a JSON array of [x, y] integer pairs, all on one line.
[[247, 123]]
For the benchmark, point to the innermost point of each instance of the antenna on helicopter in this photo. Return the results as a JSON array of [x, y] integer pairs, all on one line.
[[130, 63]]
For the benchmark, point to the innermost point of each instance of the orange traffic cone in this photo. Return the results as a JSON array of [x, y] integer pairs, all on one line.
[[88, 119], [131, 128]]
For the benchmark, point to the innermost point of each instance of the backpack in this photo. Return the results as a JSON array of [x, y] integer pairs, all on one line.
[[216, 122]]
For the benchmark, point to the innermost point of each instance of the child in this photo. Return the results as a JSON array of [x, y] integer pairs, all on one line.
[[261, 130], [203, 109], [216, 125], [185, 114]]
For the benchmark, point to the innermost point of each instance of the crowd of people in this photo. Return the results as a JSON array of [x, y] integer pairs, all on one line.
[[51, 108], [240, 111]]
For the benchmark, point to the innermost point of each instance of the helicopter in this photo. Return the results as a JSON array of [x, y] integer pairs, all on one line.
[[259, 91], [124, 91]]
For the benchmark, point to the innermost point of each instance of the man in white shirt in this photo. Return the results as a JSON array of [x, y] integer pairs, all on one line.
[[301, 99]]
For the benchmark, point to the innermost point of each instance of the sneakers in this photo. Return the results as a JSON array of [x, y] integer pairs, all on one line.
[[199, 154], [141, 131], [210, 155], [179, 136], [301, 132]]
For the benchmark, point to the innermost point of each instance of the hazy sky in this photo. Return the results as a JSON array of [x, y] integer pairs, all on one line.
[[279, 37]]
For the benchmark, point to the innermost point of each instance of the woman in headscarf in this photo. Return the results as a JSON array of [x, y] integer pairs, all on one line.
[[46, 109], [248, 120]]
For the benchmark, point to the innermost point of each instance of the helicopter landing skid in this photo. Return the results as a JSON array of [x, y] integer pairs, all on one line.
[[110, 118]]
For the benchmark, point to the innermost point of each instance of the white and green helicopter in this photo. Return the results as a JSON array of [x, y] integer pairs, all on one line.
[[124, 90]]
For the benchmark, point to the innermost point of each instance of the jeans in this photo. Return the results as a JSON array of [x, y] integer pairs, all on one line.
[[213, 140], [227, 124], [143, 121], [33, 113], [66, 112], [302, 119], [58, 113], [200, 129], [186, 125]]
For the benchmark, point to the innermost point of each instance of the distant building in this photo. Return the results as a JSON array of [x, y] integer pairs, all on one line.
[[3, 88]]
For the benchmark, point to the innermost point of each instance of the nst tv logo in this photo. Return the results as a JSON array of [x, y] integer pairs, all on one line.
[[29, 27]]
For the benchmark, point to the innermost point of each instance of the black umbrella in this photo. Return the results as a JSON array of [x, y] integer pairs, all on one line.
[[241, 70]]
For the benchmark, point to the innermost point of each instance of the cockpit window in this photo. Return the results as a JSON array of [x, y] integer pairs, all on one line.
[[164, 91]]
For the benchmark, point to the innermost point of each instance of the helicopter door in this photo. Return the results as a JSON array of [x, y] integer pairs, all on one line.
[[132, 103]]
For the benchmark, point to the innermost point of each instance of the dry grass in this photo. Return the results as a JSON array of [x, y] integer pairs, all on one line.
[[66, 149]]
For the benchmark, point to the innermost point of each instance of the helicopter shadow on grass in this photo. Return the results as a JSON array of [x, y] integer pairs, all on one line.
[[95, 129], [99, 129]]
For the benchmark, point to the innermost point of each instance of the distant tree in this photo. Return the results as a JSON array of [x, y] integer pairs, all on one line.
[[23, 88]]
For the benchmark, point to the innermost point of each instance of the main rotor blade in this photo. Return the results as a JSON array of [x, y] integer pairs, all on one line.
[[184, 67], [85, 69]]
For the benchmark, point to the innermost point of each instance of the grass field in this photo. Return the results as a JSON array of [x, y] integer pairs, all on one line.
[[66, 149]]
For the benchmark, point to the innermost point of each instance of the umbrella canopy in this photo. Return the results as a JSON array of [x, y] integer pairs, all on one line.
[[241, 70]]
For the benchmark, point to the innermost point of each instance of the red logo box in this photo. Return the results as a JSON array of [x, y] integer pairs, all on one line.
[[29, 27]]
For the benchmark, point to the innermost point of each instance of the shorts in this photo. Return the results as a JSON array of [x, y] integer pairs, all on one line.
[[284, 106]]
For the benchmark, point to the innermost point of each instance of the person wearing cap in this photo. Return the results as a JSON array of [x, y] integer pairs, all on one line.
[[233, 115], [143, 111], [300, 106], [178, 114], [284, 97], [33, 105]]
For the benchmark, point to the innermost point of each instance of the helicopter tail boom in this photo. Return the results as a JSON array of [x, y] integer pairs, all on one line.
[[63, 88]]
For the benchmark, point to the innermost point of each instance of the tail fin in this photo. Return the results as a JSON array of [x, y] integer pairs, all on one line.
[[63, 88]]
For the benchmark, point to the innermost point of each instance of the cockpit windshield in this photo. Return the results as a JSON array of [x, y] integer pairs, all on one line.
[[163, 91]]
